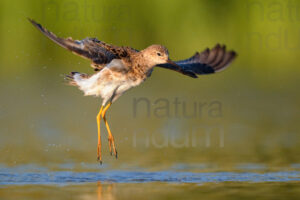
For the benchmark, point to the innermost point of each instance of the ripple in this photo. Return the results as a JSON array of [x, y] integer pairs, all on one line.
[[67, 177]]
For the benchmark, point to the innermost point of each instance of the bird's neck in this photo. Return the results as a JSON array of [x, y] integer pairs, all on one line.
[[142, 65], [144, 62]]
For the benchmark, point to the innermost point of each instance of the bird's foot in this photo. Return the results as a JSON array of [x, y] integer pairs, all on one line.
[[112, 147], [99, 160], [99, 157]]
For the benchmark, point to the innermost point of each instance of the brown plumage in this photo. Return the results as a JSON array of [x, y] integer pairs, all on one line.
[[120, 68]]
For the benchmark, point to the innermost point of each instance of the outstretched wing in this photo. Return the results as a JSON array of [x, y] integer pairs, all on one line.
[[100, 53], [206, 62]]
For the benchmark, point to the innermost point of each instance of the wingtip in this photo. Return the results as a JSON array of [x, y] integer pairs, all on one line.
[[31, 20], [233, 53], [218, 46], [47, 33], [34, 23]]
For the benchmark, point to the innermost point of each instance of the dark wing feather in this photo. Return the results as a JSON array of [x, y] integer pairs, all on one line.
[[206, 62], [100, 53]]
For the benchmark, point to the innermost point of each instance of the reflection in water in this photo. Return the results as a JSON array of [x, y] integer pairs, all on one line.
[[104, 192], [158, 191]]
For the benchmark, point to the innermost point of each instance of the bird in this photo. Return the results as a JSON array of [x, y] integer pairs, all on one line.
[[120, 68]]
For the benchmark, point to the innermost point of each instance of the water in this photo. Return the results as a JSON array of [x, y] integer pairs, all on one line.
[[68, 174], [180, 181], [67, 177]]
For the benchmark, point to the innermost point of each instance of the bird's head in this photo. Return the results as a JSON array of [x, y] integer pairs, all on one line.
[[157, 54]]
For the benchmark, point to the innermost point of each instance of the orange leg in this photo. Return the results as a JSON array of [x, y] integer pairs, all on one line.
[[99, 156], [110, 136]]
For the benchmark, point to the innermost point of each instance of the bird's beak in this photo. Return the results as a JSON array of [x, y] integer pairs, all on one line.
[[173, 63]]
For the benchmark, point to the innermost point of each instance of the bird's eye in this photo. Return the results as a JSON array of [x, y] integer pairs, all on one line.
[[159, 54]]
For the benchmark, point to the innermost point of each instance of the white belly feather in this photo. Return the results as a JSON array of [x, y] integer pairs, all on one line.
[[99, 85]]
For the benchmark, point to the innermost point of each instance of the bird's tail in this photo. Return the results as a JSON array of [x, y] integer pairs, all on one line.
[[71, 78]]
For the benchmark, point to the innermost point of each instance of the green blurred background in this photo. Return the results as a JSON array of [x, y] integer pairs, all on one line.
[[44, 122]]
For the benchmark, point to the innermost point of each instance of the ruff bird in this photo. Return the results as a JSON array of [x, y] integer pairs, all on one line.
[[117, 69]]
